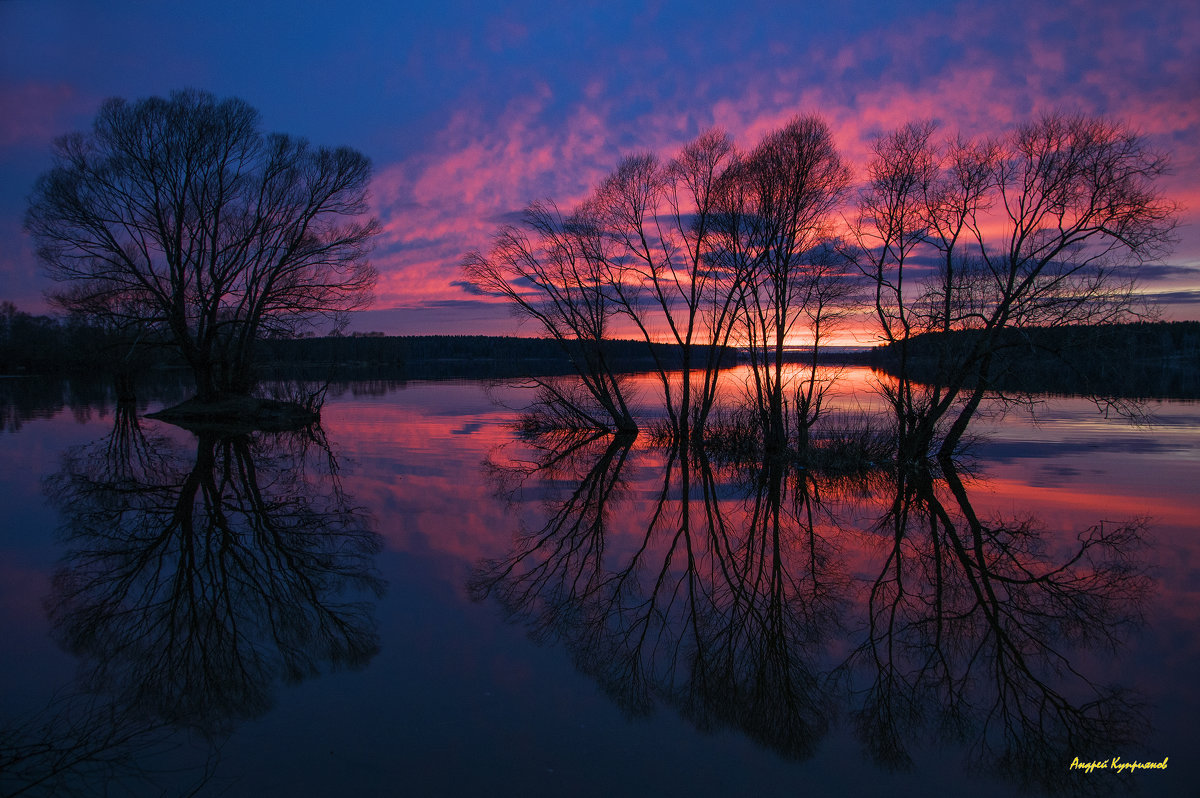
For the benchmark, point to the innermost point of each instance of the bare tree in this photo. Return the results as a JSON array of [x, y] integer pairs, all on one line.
[[887, 233], [660, 221], [1043, 228], [180, 214], [776, 211], [556, 271], [637, 248]]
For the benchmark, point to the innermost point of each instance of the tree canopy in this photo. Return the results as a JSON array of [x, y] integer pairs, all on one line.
[[1044, 227], [181, 217]]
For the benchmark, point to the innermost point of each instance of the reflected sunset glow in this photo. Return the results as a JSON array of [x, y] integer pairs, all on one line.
[[517, 567]]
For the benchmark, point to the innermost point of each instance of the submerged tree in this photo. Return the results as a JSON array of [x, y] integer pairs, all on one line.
[[1043, 228], [555, 270], [706, 250], [776, 214], [637, 250], [181, 215], [660, 218]]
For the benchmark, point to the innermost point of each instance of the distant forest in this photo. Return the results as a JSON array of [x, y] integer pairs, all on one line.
[[52, 345], [1151, 359], [1157, 359], [48, 345], [430, 356]]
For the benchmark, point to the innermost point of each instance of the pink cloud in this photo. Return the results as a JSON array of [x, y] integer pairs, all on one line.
[[952, 68], [437, 206], [35, 113]]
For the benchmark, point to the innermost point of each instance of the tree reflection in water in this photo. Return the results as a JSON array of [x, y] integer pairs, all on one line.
[[721, 620], [86, 744], [972, 626], [192, 582], [735, 605]]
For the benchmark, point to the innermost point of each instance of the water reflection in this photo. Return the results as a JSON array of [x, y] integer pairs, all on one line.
[[720, 619], [196, 577], [980, 628], [772, 600], [25, 399], [771, 586], [86, 744]]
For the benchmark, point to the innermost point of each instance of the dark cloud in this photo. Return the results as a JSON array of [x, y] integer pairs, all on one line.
[[508, 217], [470, 288], [1165, 271], [462, 304], [1175, 297]]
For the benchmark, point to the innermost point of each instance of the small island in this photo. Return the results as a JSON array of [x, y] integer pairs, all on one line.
[[238, 414]]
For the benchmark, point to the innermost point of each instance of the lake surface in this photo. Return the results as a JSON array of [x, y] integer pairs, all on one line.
[[419, 603]]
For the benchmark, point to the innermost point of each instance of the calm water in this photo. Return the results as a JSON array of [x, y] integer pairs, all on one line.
[[419, 604]]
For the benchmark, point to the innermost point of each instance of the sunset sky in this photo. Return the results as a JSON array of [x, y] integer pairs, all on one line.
[[471, 110]]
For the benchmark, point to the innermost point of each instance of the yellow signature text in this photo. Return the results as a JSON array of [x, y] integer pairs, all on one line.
[[1116, 765]]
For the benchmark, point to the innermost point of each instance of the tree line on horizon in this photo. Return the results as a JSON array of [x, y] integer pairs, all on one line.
[[73, 343], [1142, 359]]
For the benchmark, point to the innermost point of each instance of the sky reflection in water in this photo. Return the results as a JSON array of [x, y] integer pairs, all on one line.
[[600, 617]]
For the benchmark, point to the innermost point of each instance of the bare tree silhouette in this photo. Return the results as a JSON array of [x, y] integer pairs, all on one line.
[[179, 216], [638, 248], [557, 271], [1042, 228], [661, 218], [777, 207]]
